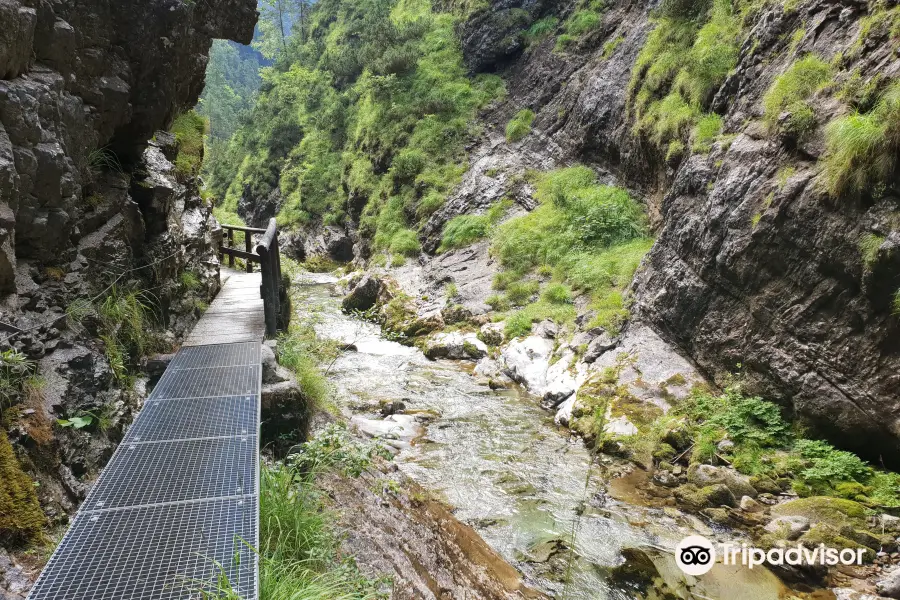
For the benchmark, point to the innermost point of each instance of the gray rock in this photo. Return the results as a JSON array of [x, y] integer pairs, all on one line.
[[454, 345], [492, 334], [748, 504], [527, 360], [546, 329], [790, 527], [599, 346], [704, 475], [889, 585], [364, 295]]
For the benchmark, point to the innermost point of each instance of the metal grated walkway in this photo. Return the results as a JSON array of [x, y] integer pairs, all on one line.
[[176, 508]]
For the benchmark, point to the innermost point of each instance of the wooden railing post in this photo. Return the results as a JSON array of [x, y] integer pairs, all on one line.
[[269, 264], [248, 246], [231, 245]]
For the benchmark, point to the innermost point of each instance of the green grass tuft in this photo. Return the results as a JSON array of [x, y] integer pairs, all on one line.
[[790, 90], [520, 125], [862, 148]]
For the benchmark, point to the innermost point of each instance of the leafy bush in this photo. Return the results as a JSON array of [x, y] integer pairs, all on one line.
[[790, 90], [869, 246], [827, 466], [520, 293], [520, 125], [405, 243], [462, 230], [189, 129], [861, 149], [557, 293], [541, 28]]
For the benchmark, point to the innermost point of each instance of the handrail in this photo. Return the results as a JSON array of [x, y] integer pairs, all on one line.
[[268, 255], [270, 265], [242, 228]]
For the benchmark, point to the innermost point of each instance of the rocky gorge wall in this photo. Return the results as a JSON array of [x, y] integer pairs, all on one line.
[[90, 205], [752, 270]]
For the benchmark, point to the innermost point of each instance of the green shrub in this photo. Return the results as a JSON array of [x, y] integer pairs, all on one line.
[[520, 125], [21, 518], [463, 230], [790, 91], [408, 164], [189, 129], [405, 243], [581, 22], [557, 293], [868, 248], [826, 467], [520, 293], [541, 28], [861, 149]]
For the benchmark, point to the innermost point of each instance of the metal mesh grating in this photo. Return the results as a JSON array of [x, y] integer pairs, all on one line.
[[205, 383], [160, 472], [161, 553], [165, 419], [170, 510], [219, 355]]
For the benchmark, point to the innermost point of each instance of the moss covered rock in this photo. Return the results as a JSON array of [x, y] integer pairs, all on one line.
[[836, 512], [21, 518], [711, 496], [823, 533]]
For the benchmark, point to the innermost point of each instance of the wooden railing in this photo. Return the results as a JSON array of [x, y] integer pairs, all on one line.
[[268, 256]]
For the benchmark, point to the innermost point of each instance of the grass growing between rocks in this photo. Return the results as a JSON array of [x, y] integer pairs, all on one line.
[[685, 59], [862, 148], [589, 237], [299, 551], [761, 443], [189, 129]]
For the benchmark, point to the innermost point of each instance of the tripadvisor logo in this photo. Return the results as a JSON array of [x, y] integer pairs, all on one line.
[[696, 555]]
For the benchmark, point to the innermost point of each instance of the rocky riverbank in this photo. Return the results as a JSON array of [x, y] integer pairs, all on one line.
[[641, 378]]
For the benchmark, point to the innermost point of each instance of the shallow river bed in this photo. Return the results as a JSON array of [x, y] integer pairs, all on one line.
[[497, 458]]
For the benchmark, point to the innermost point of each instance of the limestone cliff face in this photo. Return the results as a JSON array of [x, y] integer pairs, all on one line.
[[88, 201], [746, 269]]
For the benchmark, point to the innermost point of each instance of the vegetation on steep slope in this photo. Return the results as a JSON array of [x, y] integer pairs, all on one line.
[[589, 236], [369, 101]]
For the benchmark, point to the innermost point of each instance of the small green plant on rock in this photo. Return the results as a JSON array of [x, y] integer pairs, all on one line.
[[791, 91], [862, 148], [21, 518], [520, 125]]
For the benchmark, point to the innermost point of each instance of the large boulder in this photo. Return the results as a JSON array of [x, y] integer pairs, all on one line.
[[526, 361], [889, 585], [364, 295], [704, 475], [455, 345]]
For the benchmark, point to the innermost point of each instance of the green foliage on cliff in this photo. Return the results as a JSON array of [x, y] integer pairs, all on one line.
[[686, 58], [462, 230], [791, 90], [368, 101], [21, 518], [520, 125], [189, 129], [767, 444], [862, 148], [588, 235]]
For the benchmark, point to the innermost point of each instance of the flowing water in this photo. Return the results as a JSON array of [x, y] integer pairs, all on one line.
[[496, 457]]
